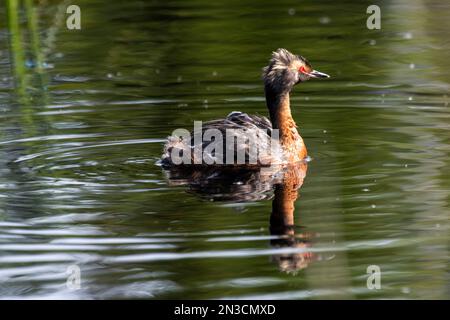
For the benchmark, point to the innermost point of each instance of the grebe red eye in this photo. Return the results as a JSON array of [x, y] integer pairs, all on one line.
[[302, 69]]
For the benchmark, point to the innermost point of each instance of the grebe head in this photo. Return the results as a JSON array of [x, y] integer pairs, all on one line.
[[286, 70]]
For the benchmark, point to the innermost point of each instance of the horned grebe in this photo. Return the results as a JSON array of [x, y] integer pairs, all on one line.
[[283, 72]]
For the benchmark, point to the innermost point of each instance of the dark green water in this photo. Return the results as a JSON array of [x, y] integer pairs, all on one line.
[[80, 136]]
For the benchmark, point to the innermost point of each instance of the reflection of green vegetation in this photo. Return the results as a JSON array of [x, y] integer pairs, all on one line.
[[30, 94], [16, 46], [31, 80], [32, 20]]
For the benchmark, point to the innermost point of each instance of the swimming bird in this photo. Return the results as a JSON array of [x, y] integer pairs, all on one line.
[[246, 182], [252, 132]]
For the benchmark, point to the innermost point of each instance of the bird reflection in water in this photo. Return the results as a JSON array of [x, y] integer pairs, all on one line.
[[282, 225], [244, 185]]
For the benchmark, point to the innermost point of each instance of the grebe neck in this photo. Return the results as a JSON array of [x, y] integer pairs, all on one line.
[[280, 115]]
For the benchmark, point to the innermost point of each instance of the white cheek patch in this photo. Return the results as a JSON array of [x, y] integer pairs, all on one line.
[[303, 76]]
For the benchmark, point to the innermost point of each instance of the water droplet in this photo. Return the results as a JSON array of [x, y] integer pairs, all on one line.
[[179, 78], [406, 290], [291, 11], [46, 65], [109, 75], [373, 206], [412, 66], [372, 42], [407, 35], [29, 63], [366, 189], [214, 73], [410, 98], [324, 20], [324, 131]]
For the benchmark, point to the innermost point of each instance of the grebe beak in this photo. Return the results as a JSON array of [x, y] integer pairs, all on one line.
[[317, 74]]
